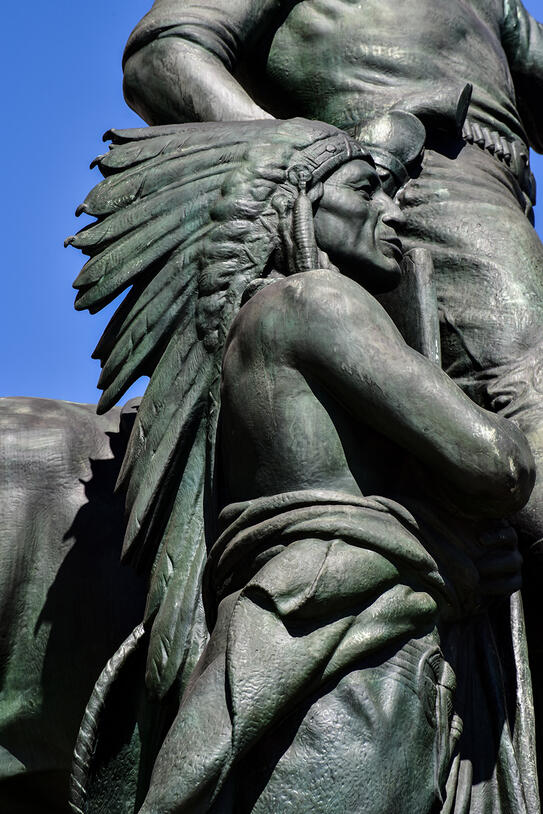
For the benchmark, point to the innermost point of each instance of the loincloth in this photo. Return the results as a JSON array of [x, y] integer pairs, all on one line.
[[330, 589], [326, 663], [327, 529], [318, 586]]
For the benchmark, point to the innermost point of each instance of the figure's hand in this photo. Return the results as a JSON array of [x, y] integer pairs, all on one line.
[[500, 563]]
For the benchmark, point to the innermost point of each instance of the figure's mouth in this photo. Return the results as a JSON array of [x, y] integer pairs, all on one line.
[[392, 247]]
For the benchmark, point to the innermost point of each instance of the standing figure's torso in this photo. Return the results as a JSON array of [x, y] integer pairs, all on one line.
[[345, 61]]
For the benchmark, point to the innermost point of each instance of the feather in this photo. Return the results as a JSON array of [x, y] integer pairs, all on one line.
[[213, 133], [123, 264], [171, 643], [163, 443], [187, 512], [123, 313], [159, 149], [120, 191], [174, 592], [140, 335], [181, 218], [97, 236]]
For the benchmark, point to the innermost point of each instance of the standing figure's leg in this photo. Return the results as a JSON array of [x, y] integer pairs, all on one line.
[[467, 208]]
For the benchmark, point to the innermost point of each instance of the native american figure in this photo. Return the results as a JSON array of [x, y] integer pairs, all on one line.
[[318, 506]]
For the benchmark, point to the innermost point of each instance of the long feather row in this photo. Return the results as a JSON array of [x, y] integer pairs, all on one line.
[[156, 209], [166, 305], [144, 359], [142, 338], [143, 255], [175, 375], [163, 438], [127, 249], [119, 191], [164, 448], [176, 580], [126, 156], [187, 507], [139, 354], [121, 157], [97, 236], [214, 132], [185, 530], [172, 638]]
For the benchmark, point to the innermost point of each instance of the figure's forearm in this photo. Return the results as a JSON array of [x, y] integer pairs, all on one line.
[[172, 80], [484, 462]]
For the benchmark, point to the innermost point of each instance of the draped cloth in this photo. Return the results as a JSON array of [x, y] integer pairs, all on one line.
[[326, 685]]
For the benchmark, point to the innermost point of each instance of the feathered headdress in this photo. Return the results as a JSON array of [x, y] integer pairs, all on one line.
[[187, 216]]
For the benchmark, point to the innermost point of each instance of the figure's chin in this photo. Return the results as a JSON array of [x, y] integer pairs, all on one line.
[[376, 272], [383, 278]]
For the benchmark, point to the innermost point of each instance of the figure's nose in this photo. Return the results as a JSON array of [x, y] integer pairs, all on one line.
[[391, 214]]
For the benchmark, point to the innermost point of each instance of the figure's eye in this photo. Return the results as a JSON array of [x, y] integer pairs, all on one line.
[[365, 186], [364, 189]]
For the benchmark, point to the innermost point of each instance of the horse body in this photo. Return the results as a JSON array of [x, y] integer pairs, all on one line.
[[66, 600]]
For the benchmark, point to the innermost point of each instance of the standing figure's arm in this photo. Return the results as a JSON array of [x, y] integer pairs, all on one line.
[[181, 59], [522, 39]]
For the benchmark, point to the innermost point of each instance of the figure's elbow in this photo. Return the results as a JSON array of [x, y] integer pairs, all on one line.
[[152, 82], [511, 475], [137, 71]]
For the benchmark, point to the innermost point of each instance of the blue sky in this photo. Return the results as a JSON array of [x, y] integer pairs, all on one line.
[[62, 77], [61, 69]]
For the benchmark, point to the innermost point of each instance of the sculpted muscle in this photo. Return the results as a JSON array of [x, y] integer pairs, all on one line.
[[358, 356], [332, 59], [320, 569]]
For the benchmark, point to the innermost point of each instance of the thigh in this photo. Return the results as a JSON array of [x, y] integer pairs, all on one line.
[[467, 209], [374, 742]]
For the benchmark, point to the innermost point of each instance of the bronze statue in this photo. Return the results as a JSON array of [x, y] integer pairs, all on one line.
[[318, 606], [348, 63], [335, 61]]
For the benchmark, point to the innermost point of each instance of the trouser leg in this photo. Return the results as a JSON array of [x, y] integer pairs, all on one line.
[[467, 209]]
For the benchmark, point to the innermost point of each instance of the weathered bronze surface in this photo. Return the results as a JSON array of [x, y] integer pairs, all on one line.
[[331, 277]]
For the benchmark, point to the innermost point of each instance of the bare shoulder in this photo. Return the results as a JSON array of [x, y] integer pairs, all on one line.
[[320, 291], [321, 287], [317, 303]]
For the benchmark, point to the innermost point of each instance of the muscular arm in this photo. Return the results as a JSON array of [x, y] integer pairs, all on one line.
[[359, 356], [522, 39], [181, 59]]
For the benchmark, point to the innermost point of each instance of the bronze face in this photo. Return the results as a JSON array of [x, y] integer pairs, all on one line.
[[355, 224]]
